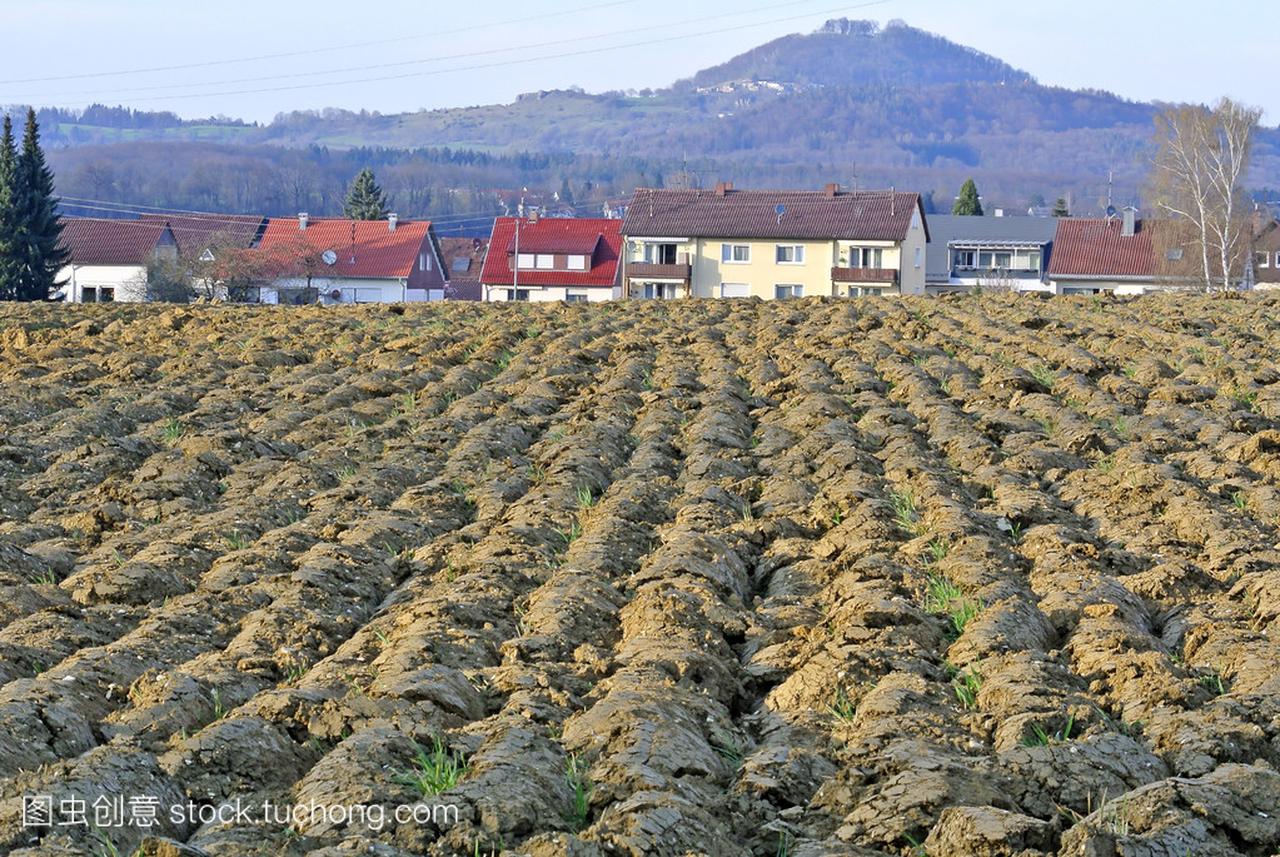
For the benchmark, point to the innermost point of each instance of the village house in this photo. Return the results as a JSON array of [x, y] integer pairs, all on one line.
[[1266, 255], [1122, 255], [109, 258], [463, 261], [989, 253], [727, 243], [337, 261], [570, 259]]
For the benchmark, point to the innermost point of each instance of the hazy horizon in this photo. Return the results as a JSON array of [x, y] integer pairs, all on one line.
[[197, 63]]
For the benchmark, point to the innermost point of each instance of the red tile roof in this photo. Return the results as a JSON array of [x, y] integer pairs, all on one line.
[[807, 215], [100, 241], [557, 236], [1085, 247], [197, 232], [365, 248], [567, 231]]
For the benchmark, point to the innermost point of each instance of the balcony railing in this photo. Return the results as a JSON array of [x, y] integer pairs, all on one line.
[[864, 275], [641, 270]]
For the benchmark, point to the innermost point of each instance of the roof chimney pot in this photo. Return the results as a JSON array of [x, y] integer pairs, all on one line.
[[1130, 227], [303, 217], [392, 220], [723, 188], [832, 190]]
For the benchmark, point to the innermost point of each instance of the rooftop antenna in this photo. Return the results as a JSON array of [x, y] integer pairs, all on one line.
[[1110, 182], [855, 178], [780, 210]]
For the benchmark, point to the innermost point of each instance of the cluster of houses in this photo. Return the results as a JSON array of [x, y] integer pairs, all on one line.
[[715, 243]]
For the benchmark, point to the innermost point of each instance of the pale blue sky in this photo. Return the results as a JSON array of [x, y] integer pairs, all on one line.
[[1169, 50]]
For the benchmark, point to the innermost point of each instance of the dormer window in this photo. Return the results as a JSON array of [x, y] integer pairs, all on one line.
[[577, 263]]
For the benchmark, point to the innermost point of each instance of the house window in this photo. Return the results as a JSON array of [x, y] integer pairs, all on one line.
[[735, 290], [1278, 260], [966, 259], [660, 254], [735, 254], [920, 256], [526, 260], [1033, 261], [865, 292], [545, 261], [660, 291], [1263, 259], [461, 265], [1173, 254], [866, 257], [89, 295], [522, 294], [575, 297], [1001, 261], [790, 254], [577, 263], [424, 262], [785, 292], [106, 295]]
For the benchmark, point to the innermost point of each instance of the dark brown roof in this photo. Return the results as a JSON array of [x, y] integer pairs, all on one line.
[[197, 233], [100, 241], [463, 258], [1099, 249], [807, 215]]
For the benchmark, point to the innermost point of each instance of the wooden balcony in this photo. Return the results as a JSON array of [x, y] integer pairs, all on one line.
[[888, 276], [650, 271]]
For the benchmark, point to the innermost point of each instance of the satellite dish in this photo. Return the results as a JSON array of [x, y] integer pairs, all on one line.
[[780, 210], [329, 257], [1111, 211], [336, 294]]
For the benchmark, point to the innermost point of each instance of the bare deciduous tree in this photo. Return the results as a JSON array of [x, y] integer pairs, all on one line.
[[1202, 158]]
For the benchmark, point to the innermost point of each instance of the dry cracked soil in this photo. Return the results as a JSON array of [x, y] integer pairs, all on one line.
[[970, 576]]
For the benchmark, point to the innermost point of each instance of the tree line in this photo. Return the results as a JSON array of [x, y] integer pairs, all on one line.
[[31, 251]]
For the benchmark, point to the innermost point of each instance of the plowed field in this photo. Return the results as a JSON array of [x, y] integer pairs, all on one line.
[[961, 577]]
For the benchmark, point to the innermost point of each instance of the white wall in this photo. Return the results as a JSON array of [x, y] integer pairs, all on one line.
[[367, 290], [547, 294], [128, 281]]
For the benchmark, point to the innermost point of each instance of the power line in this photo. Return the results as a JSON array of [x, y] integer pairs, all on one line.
[[312, 51], [140, 210], [666, 25], [514, 62]]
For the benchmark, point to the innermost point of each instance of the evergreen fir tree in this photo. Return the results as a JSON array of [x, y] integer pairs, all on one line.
[[968, 203], [8, 215], [38, 242], [1060, 208], [365, 200]]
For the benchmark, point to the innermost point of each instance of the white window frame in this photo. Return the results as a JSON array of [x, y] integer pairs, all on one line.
[[545, 262], [577, 263], [745, 287], [793, 290], [919, 256], [728, 251], [525, 261], [797, 254], [576, 296], [1265, 261]]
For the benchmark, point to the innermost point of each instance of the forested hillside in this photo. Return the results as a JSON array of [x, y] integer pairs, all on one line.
[[850, 102]]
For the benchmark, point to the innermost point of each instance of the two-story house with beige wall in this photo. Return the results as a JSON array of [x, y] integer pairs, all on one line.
[[727, 243]]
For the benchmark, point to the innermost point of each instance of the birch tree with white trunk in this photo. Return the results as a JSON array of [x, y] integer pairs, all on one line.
[[1202, 160]]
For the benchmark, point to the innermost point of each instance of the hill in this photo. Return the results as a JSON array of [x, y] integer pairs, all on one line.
[[851, 102]]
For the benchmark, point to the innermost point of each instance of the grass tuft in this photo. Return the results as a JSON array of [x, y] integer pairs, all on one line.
[[435, 770], [944, 598], [576, 775]]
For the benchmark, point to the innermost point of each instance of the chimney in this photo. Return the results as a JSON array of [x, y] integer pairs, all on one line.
[[392, 220], [723, 188], [303, 217], [1130, 227], [533, 214], [832, 190], [893, 200]]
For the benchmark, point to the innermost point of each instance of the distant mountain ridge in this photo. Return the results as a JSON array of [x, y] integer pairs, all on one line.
[[852, 102], [861, 53]]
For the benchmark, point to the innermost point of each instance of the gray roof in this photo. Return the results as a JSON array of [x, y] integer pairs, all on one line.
[[946, 228]]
